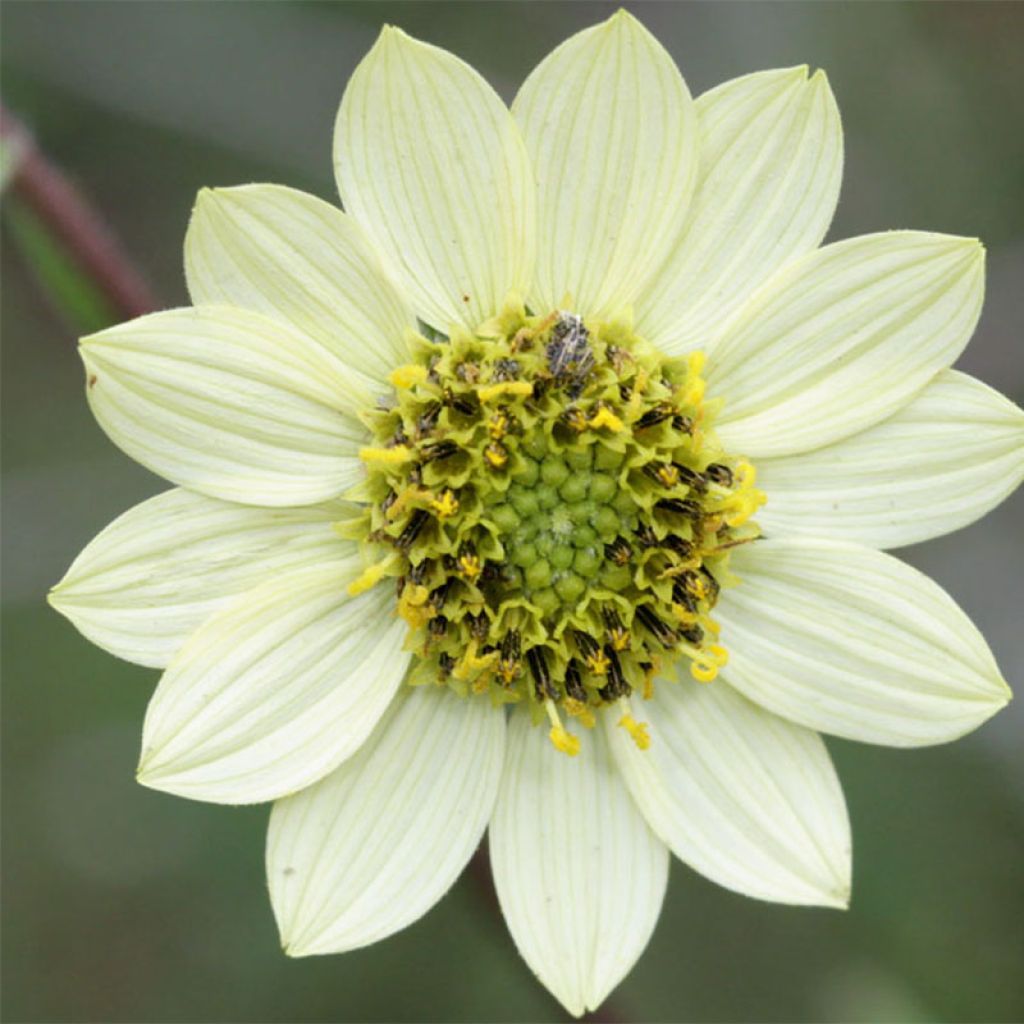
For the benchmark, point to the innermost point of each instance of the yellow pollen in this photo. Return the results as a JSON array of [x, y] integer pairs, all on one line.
[[620, 638], [370, 576], [407, 376], [604, 417], [668, 475], [497, 426], [445, 506], [505, 387], [397, 507], [469, 566], [388, 456], [412, 605], [560, 739], [496, 455], [471, 663], [598, 662], [705, 667]]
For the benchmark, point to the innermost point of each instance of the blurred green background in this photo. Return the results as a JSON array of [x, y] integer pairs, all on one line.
[[122, 904]]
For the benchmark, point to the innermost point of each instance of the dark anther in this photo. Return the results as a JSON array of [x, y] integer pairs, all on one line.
[[691, 477], [540, 388], [510, 646], [618, 551], [719, 474], [616, 686], [408, 536], [692, 634], [437, 626], [541, 673], [438, 450], [398, 438], [711, 583], [683, 548], [440, 595], [655, 415], [680, 506], [585, 642], [479, 626], [428, 418], [574, 418], [681, 596], [573, 682], [684, 424], [646, 536], [617, 632], [665, 634], [460, 403], [505, 369], [389, 500], [420, 572], [445, 662]]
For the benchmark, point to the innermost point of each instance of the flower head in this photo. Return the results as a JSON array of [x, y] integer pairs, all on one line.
[[542, 490]]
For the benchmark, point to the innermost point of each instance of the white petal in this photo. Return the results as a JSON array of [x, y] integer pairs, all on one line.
[[275, 691], [844, 337], [228, 403], [579, 875], [771, 160], [372, 847], [944, 460], [289, 255], [430, 162], [150, 579], [744, 797], [612, 134], [850, 641]]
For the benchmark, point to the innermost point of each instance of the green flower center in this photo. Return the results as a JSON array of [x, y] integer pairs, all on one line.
[[558, 515]]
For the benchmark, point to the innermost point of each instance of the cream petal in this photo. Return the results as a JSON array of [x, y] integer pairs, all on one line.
[[744, 797], [612, 134], [850, 641], [372, 847], [429, 161], [144, 584], [843, 338], [580, 876], [945, 459], [228, 403], [274, 692], [771, 160], [294, 257]]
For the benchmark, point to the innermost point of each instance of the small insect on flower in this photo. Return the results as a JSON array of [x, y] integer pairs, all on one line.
[[469, 535]]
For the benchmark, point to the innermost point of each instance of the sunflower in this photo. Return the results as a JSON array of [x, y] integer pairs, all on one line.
[[542, 491]]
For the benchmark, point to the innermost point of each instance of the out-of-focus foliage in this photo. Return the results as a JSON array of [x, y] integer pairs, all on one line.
[[123, 904]]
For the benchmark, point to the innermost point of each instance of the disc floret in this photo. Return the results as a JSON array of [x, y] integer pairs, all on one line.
[[550, 497]]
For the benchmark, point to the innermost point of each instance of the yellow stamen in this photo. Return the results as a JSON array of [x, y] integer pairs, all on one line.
[[496, 455], [598, 662], [604, 417], [703, 671], [469, 566], [637, 730], [668, 475], [389, 456], [445, 506], [407, 376], [505, 387], [560, 738], [497, 425], [412, 605], [397, 507], [471, 663], [370, 576], [579, 710]]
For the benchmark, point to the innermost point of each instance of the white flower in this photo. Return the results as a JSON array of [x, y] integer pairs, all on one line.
[[629, 219]]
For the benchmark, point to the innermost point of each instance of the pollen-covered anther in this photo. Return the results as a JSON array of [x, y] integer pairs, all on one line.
[[552, 498]]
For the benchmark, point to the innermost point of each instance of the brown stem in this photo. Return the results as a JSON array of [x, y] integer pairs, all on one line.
[[480, 871], [67, 213]]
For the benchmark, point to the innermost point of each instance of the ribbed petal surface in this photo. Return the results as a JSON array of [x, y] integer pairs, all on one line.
[[612, 134], [771, 159], [744, 797], [229, 403], [843, 338], [851, 641], [430, 162], [373, 846], [579, 874], [151, 578], [944, 460], [275, 691], [294, 257]]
